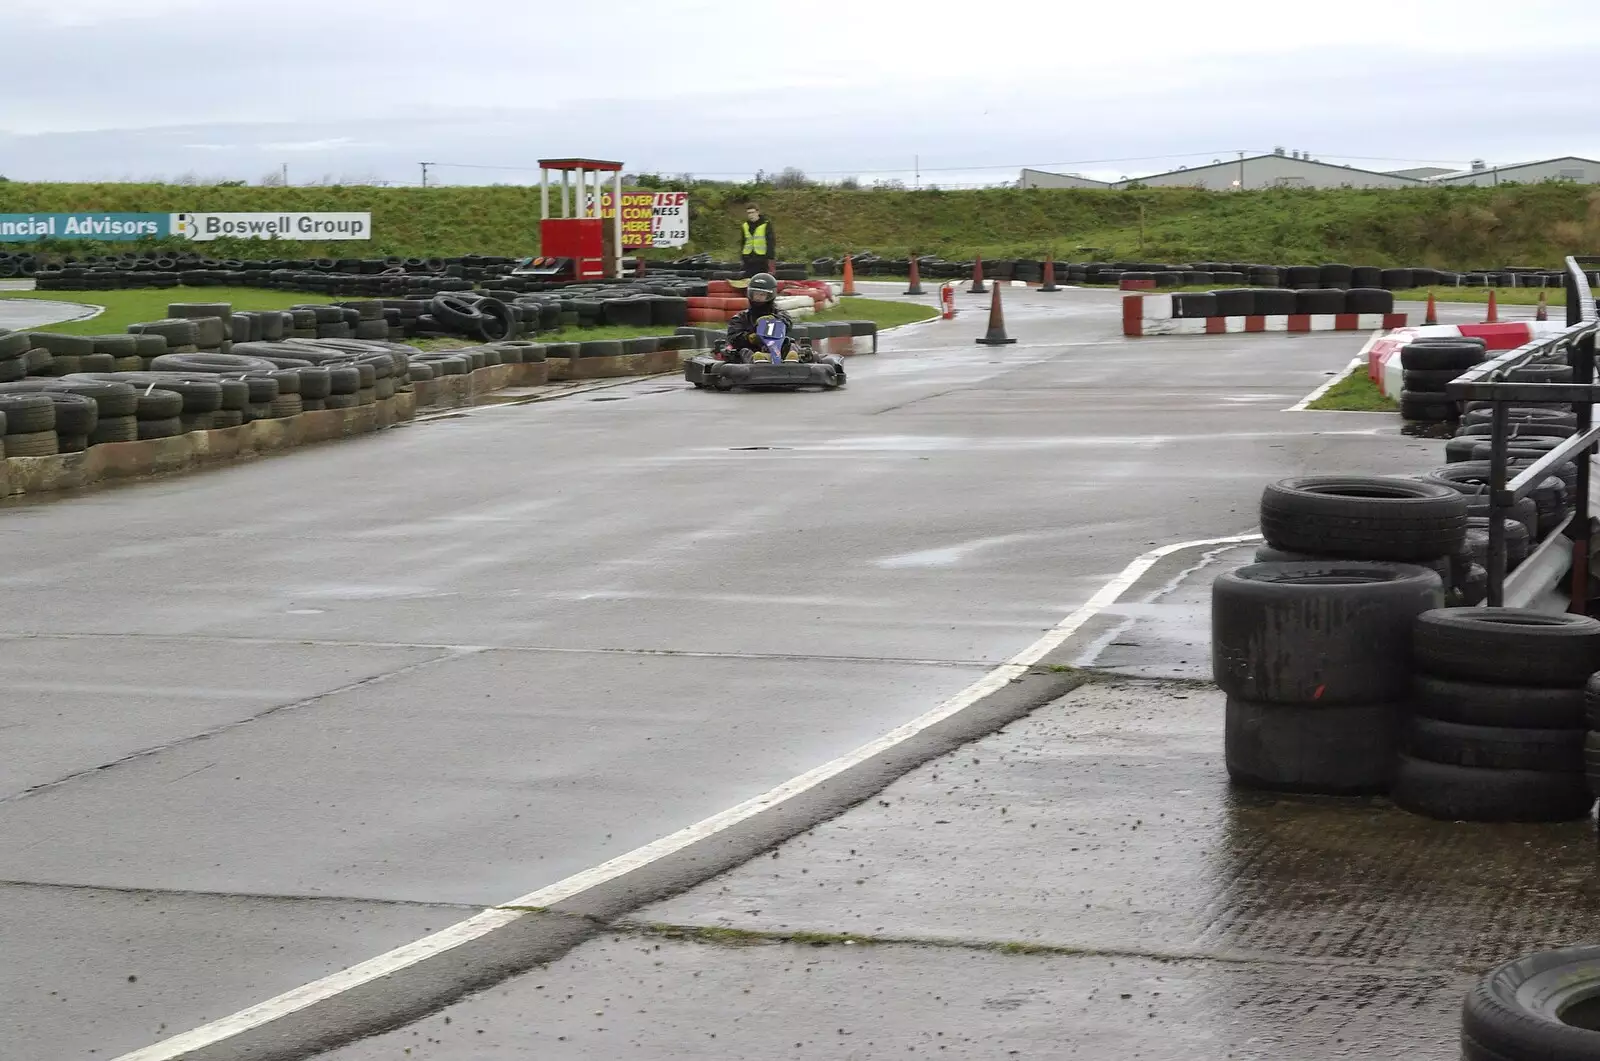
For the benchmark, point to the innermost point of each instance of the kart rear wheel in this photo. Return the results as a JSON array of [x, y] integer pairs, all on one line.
[[722, 384]]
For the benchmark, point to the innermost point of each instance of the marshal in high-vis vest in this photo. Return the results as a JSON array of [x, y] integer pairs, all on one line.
[[760, 246]]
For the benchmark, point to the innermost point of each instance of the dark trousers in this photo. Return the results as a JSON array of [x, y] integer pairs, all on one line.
[[753, 264]]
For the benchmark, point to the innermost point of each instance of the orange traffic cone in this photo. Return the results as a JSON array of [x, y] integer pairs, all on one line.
[[977, 277], [1494, 310], [1543, 312], [996, 335], [1049, 274], [1433, 311], [915, 287], [849, 277]]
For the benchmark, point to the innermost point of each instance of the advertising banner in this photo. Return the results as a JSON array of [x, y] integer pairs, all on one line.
[[650, 219], [29, 228], [310, 228]]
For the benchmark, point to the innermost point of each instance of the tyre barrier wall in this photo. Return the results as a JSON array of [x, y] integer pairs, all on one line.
[[1134, 275], [1273, 310], [135, 269], [1381, 353], [1356, 659], [208, 384]]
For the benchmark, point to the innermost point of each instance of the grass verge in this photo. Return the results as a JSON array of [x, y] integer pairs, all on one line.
[[131, 307], [1355, 394]]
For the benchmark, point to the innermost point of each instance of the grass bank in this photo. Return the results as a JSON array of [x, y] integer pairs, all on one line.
[[1356, 393], [1459, 228], [123, 308]]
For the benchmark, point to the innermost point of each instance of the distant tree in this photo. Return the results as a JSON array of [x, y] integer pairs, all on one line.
[[274, 179], [232, 184], [791, 177], [4, 179], [850, 184], [893, 184]]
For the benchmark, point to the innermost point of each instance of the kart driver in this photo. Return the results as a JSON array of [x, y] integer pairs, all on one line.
[[763, 293]]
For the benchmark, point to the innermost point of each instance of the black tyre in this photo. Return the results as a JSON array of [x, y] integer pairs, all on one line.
[[1474, 586], [149, 429], [444, 364], [1508, 646], [115, 429], [1591, 701], [224, 418], [1427, 407], [285, 405], [14, 344], [1321, 632], [72, 443], [1543, 1007], [1530, 415], [75, 414], [32, 444], [1364, 517], [342, 401], [159, 405], [72, 345], [1343, 750], [28, 414], [211, 364], [600, 348], [1431, 380], [1438, 356], [1496, 747], [1474, 794]]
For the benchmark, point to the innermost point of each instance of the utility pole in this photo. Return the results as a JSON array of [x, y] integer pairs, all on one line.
[[1241, 171], [286, 174], [425, 166], [916, 166]]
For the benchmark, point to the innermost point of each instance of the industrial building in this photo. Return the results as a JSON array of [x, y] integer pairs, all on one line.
[[1038, 178], [1569, 168], [1295, 169]]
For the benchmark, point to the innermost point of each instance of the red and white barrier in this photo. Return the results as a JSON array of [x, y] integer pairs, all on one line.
[[798, 298], [1382, 352], [1152, 315]]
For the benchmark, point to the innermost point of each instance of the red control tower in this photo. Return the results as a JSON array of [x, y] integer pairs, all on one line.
[[579, 233]]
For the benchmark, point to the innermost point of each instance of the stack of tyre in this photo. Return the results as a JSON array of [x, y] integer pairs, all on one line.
[[1381, 518], [1498, 726], [1428, 365], [1313, 647]]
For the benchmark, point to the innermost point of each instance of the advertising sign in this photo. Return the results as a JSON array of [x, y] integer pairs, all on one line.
[[29, 228], [650, 219], [311, 228]]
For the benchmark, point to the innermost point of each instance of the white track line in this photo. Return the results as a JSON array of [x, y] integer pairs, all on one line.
[[1300, 406], [505, 914]]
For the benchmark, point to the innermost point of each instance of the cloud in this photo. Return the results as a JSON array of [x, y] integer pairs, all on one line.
[[166, 86]]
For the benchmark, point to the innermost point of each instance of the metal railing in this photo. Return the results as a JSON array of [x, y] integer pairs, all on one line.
[[1487, 382]]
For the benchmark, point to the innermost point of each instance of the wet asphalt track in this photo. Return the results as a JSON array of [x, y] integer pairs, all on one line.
[[267, 721]]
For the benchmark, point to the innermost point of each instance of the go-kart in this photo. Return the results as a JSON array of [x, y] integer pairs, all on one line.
[[725, 368]]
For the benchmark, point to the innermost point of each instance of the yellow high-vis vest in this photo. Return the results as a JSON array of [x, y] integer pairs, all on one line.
[[755, 242]]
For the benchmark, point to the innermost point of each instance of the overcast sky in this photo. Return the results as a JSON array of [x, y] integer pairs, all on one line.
[[971, 92]]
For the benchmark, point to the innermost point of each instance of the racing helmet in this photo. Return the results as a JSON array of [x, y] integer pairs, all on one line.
[[763, 289]]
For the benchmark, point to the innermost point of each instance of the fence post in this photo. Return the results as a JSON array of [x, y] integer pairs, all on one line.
[[1582, 373]]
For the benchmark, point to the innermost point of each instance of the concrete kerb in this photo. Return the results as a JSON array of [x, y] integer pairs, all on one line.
[[118, 461]]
